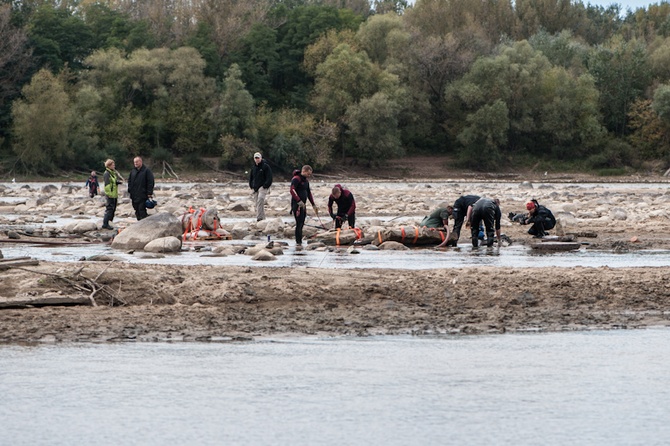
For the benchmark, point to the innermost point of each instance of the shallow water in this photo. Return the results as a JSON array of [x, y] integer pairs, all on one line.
[[415, 259], [550, 389]]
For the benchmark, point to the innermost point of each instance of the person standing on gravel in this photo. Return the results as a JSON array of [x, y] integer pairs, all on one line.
[[140, 187], [111, 181], [93, 185], [488, 211], [260, 180], [346, 206], [300, 193]]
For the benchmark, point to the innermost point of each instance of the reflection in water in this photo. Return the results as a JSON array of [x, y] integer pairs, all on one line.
[[558, 388]]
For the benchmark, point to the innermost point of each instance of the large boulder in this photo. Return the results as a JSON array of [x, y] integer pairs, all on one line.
[[137, 235]]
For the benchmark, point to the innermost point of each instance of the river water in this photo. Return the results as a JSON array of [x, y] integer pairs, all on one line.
[[415, 259], [522, 389]]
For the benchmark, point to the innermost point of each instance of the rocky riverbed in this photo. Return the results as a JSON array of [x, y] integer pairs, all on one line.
[[159, 302]]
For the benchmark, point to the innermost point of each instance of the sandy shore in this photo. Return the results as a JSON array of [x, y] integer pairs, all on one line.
[[149, 302]]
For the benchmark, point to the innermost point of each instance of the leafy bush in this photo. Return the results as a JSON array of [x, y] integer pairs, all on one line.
[[161, 154], [236, 152], [616, 154]]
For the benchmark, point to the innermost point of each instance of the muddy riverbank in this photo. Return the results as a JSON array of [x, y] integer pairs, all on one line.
[[162, 303]]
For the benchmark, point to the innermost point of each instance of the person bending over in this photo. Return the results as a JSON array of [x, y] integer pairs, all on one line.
[[346, 206]]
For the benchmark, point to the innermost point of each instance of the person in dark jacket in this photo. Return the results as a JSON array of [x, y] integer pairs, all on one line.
[[93, 185], [260, 180], [140, 187], [540, 217], [459, 210], [488, 211], [346, 206], [300, 193]]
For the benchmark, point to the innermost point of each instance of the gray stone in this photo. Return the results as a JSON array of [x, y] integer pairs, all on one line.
[[80, 227], [164, 244], [393, 246], [137, 235], [263, 255]]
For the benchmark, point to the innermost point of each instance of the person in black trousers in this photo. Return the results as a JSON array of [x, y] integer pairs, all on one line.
[[300, 193], [140, 187]]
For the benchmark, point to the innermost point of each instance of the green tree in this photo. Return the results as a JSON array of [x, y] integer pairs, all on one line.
[[659, 59], [295, 137], [59, 37], [259, 62], [15, 61], [41, 124], [373, 125], [549, 111], [114, 29], [237, 106], [562, 49], [304, 25], [235, 115], [343, 79], [373, 34], [621, 71], [650, 134], [484, 136], [163, 91]]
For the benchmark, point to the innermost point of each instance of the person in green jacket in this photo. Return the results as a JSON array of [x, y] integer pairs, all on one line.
[[112, 180]]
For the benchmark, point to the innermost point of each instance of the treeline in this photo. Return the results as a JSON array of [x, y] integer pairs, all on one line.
[[490, 82]]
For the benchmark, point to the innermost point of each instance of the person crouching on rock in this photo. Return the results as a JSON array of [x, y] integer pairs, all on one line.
[[438, 219], [300, 193], [346, 206], [488, 211], [540, 217]]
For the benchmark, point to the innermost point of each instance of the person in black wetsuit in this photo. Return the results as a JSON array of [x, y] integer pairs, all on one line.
[[540, 217], [346, 206], [300, 193], [488, 211]]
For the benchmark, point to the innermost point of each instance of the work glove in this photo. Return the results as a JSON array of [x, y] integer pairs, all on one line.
[[301, 205], [316, 209]]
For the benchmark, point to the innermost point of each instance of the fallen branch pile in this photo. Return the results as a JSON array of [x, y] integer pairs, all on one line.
[[75, 283]]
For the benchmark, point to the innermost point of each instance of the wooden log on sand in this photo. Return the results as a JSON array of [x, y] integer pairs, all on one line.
[[41, 301], [17, 262]]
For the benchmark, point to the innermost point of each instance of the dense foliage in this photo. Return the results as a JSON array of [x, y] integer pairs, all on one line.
[[313, 81]]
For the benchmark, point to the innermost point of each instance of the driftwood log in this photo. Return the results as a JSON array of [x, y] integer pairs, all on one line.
[[15, 262]]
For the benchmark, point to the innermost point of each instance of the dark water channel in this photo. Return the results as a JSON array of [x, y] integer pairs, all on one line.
[[590, 388]]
